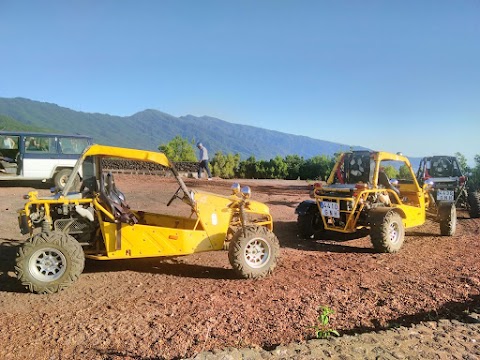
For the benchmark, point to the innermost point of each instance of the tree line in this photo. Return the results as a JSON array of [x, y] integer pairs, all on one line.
[[230, 166], [290, 167]]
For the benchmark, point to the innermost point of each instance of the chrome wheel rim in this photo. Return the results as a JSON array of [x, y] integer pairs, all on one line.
[[63, 181], [47, 264], [257, 252], [394, 232]]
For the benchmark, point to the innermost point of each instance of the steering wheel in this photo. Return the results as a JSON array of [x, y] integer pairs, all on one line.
[[175, 196]]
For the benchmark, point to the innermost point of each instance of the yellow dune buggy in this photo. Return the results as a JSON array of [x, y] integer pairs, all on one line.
[[97, 223]]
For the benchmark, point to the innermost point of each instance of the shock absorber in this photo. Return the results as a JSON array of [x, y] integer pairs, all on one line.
[[46, 226]]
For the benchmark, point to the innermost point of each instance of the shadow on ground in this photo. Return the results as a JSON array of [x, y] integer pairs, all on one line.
[[26, 184], [8, 253], [327, 241], [164, 266], [453, 310]]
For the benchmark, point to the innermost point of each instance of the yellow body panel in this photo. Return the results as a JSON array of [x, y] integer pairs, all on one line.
[[164, 235], [148, 241], [414, 215], [125, 153]]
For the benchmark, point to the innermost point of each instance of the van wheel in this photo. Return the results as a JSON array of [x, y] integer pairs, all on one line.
[[49, 262], [61, 179]]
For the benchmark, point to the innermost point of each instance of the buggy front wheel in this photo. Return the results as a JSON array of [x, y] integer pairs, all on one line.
[[308, 224], [448, 219], [387, 232], [253, 253]]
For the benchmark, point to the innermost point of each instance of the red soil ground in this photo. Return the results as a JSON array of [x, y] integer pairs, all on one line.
[[170, 308]]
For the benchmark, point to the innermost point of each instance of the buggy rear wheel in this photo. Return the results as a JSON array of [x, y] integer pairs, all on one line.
[[49, 262], [253, 255], [474, 202]]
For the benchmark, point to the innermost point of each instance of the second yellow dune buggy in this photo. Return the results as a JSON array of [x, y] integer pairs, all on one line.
[[359, 195]]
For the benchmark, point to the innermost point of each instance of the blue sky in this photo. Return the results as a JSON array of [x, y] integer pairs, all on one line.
[[389, 75]]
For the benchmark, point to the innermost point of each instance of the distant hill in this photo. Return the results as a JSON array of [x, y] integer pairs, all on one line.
[[150, 128], [7, 123]]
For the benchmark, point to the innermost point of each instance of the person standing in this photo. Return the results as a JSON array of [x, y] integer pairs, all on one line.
[[203, 162]]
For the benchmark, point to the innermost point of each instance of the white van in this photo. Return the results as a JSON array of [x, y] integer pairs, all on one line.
[[38, 156]]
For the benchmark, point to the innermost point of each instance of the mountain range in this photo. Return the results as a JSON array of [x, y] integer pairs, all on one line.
[[149, 128]]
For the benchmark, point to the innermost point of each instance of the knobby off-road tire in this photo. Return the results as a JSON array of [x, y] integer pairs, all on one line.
[[447, 214], [308, 224], [387, 233], [474, 202], [254, 255], [49, 262]]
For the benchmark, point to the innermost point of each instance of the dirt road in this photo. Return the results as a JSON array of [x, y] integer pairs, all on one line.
[[173, 308]]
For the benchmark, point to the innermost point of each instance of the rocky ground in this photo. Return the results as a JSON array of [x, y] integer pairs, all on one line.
[[442, 339], [428, 294]]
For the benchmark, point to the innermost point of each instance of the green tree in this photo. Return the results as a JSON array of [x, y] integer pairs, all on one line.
[[474, 178], [280, 166], [264, 170], [462, 161], [275, 168], [317, 167], [225, 166], [178, 149], [248, 169], [390, 171], [404, 173], [294, 162]]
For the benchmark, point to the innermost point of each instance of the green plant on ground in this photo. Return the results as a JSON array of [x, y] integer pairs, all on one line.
[[323, 329]]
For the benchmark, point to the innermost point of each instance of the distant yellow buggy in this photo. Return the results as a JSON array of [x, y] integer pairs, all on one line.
[[97, 223], [359, 195]]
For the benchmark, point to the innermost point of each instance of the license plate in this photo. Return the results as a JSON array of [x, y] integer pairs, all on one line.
[[445, 195], [330, 209]]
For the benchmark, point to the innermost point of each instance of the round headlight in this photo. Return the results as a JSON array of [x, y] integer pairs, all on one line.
[[430, 183], [394, 182], [246, 191]]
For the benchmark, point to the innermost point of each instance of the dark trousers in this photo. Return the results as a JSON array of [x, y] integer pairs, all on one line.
[[204, 165]]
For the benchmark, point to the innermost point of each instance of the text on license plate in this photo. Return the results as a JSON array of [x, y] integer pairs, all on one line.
[[330, 209], [445, 195]]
